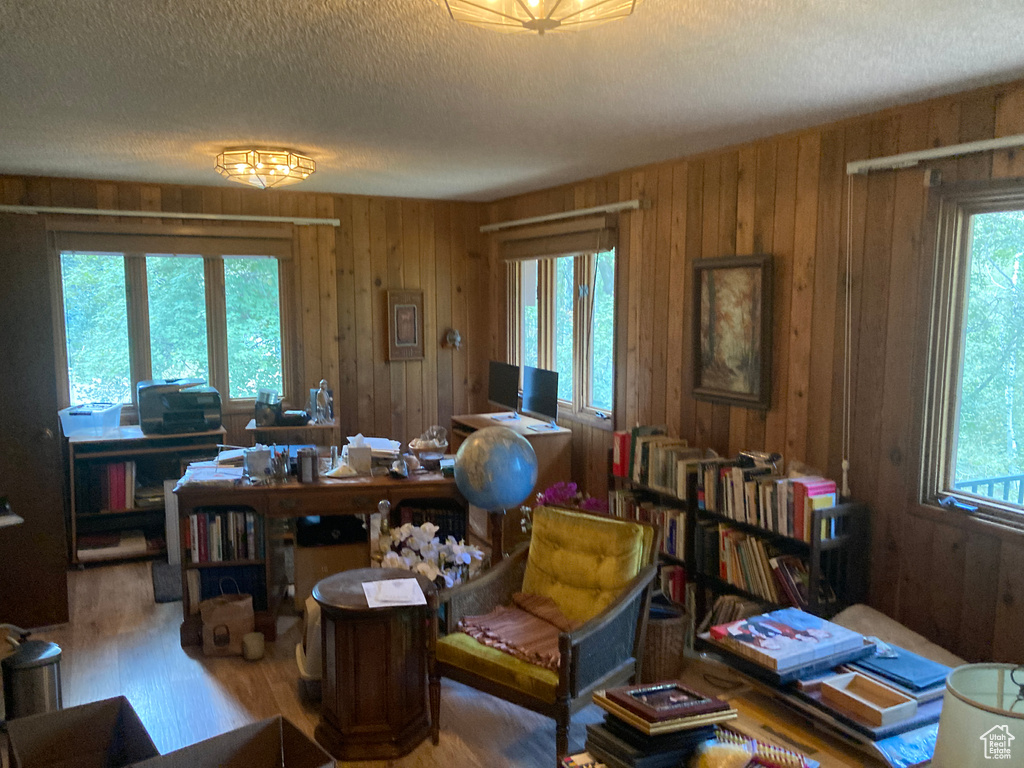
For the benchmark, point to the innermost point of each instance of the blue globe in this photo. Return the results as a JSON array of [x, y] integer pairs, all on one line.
[[495, 468]]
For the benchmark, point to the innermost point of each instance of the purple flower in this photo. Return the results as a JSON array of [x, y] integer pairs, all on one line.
[[592, 504], [559, 494]]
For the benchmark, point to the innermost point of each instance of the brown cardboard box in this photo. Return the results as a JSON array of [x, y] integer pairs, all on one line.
[[103, 734], [315, 563], [271, 743]]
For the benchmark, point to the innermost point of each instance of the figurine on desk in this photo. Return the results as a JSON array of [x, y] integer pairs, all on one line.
[[322, 405]]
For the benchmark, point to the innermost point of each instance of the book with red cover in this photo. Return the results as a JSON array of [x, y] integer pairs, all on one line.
[[656, 702], [620, 454], [802, 488]]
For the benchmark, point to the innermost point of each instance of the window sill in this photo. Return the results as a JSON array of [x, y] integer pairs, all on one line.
[[969, 510], [587, 419]]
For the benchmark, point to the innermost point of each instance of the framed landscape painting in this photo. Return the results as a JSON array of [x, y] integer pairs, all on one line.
[[732, 330], [405, 325]]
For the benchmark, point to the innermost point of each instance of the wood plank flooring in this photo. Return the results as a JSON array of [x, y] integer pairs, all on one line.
[[119, 642]]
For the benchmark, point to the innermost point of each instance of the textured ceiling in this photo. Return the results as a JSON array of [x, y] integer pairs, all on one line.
[[391, 97]]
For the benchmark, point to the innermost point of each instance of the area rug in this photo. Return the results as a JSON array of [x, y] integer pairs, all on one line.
[[166, 582]]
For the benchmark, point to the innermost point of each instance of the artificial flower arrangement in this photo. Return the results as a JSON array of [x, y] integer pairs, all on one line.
[[417, 548], [568, 495]]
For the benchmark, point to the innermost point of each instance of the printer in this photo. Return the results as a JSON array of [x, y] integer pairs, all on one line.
[[173, 406]]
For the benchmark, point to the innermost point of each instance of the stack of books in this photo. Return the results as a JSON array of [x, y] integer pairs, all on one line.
[[787, 644], [657, 725]]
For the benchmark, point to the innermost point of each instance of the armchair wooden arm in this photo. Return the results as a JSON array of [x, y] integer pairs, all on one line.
[[608, 642]]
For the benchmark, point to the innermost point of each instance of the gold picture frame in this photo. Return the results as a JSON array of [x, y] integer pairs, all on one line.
[[405, 325]]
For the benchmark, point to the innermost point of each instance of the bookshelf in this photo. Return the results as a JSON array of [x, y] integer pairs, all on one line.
[[116, 483], [721, 554]]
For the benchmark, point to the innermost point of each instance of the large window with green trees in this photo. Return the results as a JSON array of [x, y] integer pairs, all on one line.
[[565, 321], [976, 430], [166, 313]]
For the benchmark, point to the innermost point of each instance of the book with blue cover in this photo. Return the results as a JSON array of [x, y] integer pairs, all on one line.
[[907, 669]]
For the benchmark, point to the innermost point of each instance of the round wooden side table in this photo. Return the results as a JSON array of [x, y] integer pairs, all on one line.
[[375, 667]]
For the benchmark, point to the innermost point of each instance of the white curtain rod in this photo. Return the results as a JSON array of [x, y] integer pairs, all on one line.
[[36, 209], [628, 205], [910, 159]]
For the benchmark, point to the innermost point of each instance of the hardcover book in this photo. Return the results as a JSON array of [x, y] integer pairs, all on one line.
[[664, 701], [785, 639]]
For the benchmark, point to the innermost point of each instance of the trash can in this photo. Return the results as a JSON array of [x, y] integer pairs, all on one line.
[[32, 679]]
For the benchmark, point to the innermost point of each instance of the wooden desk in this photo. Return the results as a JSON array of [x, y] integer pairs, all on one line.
[[553, 449], [329, 496]]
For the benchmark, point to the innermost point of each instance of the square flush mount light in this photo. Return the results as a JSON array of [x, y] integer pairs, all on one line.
[[263, 167], [537, 15]]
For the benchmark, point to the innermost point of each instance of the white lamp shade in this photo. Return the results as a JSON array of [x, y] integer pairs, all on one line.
[[978, 726]]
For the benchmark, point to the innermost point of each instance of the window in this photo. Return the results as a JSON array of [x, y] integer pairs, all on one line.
[[565, 321], [976, 429], [132, 314]]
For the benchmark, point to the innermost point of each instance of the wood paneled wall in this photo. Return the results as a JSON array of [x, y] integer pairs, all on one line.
[[957, 581], [339, 299]]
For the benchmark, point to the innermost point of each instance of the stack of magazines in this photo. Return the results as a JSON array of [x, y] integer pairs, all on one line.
[[653, 726]]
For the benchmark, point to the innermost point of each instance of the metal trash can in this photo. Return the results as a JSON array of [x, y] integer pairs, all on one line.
[[32, 679]]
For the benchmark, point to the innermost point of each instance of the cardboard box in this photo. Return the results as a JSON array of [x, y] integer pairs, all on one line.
[[271, 743], [103, 734], [315, 563]]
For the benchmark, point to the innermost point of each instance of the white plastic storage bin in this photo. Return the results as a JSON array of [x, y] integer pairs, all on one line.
[[90, 419]]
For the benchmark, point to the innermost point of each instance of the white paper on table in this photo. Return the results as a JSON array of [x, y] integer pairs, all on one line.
[[384, 594]]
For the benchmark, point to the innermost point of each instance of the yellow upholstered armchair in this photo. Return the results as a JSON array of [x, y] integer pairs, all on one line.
[[598, 571]]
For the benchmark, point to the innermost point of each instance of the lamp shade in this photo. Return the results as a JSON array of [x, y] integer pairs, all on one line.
[[537, 15], [982, 722]]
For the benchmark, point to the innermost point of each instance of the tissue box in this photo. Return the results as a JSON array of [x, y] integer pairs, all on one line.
[[360, 458]]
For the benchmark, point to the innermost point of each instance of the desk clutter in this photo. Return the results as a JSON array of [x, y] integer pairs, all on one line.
[[109, 734]]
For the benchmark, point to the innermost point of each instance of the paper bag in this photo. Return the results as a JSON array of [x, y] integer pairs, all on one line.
[[226, 619]]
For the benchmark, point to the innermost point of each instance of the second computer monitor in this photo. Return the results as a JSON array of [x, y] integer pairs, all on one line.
[[503, 387], [540, 393]]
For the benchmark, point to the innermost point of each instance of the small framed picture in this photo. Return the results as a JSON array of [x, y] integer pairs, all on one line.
[[405, 325], [732, 330]]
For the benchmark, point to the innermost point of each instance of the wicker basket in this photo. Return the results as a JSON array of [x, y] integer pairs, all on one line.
[[663, 648]]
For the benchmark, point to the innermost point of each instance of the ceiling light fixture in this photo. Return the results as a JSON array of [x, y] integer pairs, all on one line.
[[264, 168], [537, 15]]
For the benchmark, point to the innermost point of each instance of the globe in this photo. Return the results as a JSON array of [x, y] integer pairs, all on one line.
[[495, 468]]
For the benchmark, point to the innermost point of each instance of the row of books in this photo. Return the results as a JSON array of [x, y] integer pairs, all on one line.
[[216, 537], [759, 496], [648, 456], [672, 579], [671, 521], [116, 483]]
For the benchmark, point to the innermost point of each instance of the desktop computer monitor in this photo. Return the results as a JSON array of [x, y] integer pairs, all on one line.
[[540, 394], [503, 388]]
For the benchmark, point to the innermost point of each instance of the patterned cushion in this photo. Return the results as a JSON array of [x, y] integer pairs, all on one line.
[[583, 561]]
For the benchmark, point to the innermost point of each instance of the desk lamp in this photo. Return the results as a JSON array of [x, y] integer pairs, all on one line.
[[982, 722]]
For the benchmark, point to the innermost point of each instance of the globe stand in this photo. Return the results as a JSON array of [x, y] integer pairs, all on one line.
[[496, 533]]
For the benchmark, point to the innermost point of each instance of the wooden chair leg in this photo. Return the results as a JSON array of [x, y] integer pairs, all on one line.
[[561, 735]]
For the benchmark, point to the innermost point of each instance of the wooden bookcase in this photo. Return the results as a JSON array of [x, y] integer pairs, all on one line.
[[840, 561], [97, 510]]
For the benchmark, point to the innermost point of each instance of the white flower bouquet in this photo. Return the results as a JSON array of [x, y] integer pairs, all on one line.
[[417, 548]]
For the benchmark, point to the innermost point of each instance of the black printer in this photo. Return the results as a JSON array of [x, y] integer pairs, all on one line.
[[173, 406]]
